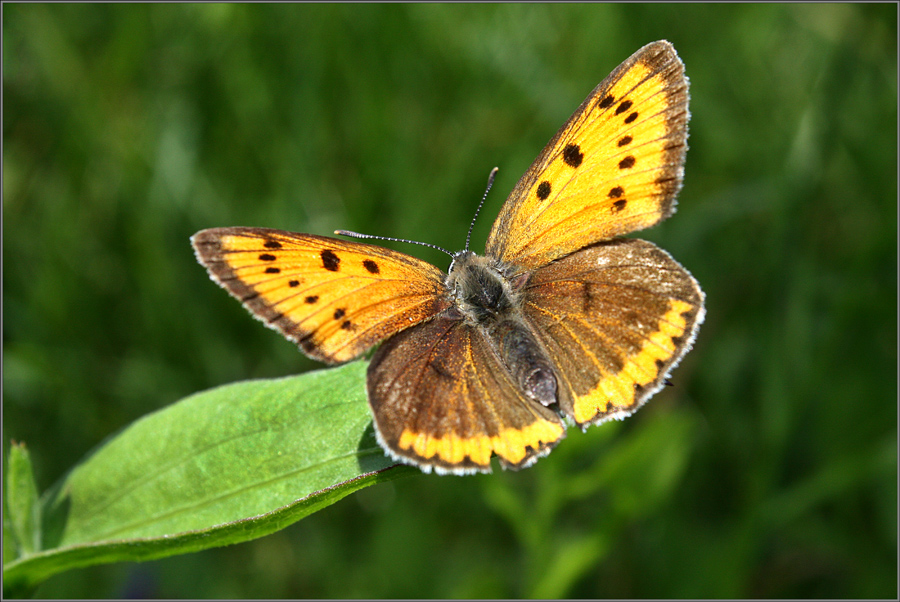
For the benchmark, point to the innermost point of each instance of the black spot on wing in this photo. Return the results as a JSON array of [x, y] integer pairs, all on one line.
[[441, 370], [572, 155], [371, 266], [330, 261], [543, 190]]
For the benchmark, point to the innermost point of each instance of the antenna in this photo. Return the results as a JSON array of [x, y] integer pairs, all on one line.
[[426, 244], [477, 211], [412, 242]]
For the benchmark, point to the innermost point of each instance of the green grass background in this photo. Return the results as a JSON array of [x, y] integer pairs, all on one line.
[[768, 470]]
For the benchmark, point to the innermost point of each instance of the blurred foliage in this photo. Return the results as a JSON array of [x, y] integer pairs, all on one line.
[[768, 470]]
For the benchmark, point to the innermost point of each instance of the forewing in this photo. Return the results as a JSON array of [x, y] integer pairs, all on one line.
[[442, 400], [615, 318], [613, 168], [334, 298]]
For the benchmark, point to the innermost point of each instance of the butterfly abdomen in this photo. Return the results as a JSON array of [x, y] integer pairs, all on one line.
[[525, 359]]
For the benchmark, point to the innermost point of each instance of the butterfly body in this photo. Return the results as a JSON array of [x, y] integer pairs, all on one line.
[[489, 300], [559, 321]]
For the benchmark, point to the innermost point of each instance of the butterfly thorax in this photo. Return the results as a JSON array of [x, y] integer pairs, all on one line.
[[481, 291], [488, 298]]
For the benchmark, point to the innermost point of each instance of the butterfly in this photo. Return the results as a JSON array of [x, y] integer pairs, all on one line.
[[560, 321]]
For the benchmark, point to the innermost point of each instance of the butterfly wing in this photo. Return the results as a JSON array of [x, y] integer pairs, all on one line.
[[614, 167], [334, 298], [441, 400], [614, 318]]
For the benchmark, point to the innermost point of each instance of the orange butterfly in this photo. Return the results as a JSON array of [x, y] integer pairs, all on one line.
[[559, 318]]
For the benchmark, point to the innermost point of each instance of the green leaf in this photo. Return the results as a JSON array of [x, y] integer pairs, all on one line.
[[21, 502], [220, 467]]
